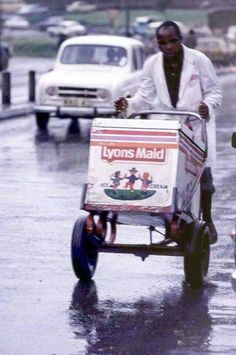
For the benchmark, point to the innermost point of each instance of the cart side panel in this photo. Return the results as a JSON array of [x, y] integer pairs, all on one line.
[[190, 167], [132, 167]]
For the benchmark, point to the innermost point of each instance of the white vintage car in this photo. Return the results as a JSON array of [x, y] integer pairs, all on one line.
[[90, 73]]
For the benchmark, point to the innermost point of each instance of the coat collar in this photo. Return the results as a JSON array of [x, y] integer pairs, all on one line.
[[188, 66]]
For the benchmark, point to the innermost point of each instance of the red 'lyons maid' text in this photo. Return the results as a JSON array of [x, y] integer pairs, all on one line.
[[110, 154]]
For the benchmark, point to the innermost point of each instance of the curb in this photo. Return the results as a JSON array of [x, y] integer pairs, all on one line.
[[13, 112]]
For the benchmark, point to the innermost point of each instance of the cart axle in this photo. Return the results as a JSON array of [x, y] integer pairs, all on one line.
[[142, 250]]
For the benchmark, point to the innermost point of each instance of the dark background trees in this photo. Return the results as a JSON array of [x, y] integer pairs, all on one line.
[[157, 4]]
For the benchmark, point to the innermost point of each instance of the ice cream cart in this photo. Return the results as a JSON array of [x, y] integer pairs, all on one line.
[[144, 172]]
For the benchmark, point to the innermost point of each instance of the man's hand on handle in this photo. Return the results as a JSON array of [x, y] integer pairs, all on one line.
[[203, 110], [121, 104]]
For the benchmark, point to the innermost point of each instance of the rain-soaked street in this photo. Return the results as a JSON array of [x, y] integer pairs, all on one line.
[[131, 307]]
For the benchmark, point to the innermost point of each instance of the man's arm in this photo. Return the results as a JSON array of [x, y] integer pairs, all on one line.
[[144, 97], [212, 95]]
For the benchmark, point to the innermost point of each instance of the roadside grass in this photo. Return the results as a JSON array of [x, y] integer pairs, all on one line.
[[44, 46], [188, 17], [40, 46]]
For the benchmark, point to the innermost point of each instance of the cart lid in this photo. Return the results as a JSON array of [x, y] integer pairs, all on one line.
[[162, 123], [159, 123]]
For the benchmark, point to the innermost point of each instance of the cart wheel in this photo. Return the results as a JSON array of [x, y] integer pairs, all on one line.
[[84, 251], [197, 255]]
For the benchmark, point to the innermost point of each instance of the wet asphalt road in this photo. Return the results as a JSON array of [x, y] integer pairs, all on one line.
[[131, 307]]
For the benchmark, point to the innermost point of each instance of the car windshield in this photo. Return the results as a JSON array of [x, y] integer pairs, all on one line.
[[94, 54]]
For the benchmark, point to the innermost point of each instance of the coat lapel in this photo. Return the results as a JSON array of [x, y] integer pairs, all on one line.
[[187, 71], [160, 79]]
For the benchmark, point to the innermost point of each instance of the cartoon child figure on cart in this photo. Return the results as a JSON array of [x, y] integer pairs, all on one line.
[[146, 181], [131, 179], [116, 178]]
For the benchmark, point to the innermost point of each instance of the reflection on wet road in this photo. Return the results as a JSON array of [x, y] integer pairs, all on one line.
[[173, 321], [131, 307]]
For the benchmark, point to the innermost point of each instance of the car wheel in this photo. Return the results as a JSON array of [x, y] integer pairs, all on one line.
[[74, 127], [42, 120], [4, 60]]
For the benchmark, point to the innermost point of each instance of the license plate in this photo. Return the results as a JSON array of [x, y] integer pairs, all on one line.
[[78, 102]]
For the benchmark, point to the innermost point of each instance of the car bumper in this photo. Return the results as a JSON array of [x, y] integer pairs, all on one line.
[[65, 111]]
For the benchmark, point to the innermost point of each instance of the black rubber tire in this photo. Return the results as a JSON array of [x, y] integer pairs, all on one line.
[[42, 120], [197, 255], [84, 251], [74, 127], [4, 59]]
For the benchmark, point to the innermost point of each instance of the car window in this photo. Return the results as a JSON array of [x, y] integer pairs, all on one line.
[[139, 57], [135, 59], [94, 54], [142, 56]]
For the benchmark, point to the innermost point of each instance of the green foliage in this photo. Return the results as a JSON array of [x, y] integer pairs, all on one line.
[[44, 46], [189, 17], [163, 4], [34, 47]]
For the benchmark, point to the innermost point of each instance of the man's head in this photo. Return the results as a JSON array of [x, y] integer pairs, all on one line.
[[169, 38]]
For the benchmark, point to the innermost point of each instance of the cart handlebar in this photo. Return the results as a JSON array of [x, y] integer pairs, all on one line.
[[176, 113], [173, 113]]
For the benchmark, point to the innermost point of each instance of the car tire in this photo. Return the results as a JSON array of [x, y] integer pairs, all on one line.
[[42, 120], [4, 60]]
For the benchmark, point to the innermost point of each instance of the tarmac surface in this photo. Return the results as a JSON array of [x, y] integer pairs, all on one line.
[[130, 307]]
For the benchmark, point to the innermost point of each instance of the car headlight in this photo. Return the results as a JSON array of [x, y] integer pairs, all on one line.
[[103, 94], [51, 91]]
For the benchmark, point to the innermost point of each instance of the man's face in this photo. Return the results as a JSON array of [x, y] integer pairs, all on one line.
[[168, 41]]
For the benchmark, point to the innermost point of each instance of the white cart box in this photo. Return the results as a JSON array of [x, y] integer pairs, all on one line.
[[143, 165]]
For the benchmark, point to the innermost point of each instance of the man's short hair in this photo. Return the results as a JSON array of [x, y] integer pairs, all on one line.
[[170, 24]]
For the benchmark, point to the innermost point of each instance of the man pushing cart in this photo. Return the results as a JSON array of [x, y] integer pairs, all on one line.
[[156, 172], [181, 78]]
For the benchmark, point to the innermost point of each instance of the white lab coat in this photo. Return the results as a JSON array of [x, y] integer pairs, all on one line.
[[198, 82]]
